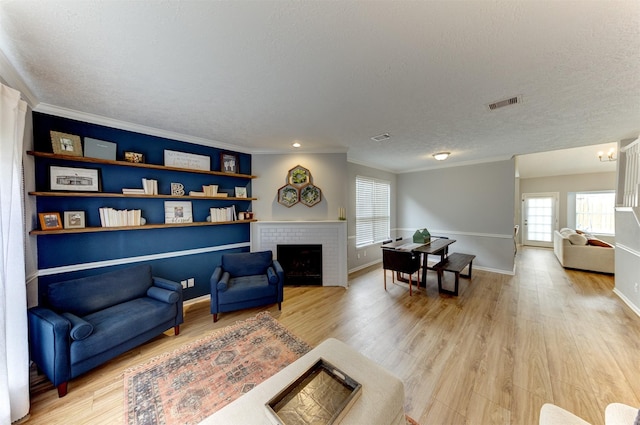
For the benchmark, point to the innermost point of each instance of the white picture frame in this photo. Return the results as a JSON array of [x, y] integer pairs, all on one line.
[[178, 212], [241, 192], [74, 220], [74, 179], [186, 160]]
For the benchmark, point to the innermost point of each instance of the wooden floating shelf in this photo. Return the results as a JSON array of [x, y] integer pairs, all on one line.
[[121, 195], [144, 227], [135, 164]]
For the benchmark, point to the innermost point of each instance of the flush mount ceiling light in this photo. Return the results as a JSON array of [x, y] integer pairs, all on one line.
[[441, 156], [610, 155], [296, 144], [381, 137]]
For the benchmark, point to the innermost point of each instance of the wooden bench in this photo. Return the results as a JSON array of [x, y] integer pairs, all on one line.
[[455, 263]]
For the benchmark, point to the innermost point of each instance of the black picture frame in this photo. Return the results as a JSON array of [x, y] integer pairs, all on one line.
[[74, 179], [229, 163]]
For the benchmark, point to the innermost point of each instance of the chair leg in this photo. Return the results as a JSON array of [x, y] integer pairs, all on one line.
[[410, 284], [385, 278]]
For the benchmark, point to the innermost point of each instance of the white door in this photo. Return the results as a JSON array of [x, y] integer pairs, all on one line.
[[539, 218]]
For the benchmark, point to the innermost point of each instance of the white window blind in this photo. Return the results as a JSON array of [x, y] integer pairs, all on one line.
[[595, 212], [372, 210]]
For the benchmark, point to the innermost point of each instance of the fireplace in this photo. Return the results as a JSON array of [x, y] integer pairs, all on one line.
[[302, 264]]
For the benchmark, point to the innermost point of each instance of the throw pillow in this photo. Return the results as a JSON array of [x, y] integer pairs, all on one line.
[[598, 242], [566, 232], [80, 328], [577, 239]]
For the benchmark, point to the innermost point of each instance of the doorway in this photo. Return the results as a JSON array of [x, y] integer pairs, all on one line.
[[539, 218]]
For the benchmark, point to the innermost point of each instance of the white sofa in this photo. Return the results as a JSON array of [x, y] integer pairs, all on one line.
[[577, 255], [615, 414]]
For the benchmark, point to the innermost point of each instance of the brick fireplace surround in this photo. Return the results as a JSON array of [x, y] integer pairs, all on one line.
[[332, 235]]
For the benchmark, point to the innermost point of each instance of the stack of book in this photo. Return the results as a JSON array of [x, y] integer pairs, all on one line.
[[149, 187], [210, 191], [110, 217], [223, 214]]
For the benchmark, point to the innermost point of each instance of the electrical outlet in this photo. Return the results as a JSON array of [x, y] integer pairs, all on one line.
[[184, 284], [190, 282], [637, 287]]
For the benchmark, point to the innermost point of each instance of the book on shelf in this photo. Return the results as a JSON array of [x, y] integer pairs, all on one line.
[[126, 191], [210, 190], [110, 217], [193, 193], [150, 186], [223, 214], [220, 195]]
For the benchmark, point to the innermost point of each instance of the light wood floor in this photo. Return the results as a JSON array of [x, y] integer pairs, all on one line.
[[493, 355]]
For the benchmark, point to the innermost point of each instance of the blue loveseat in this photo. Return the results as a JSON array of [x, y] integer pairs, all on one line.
[[85, 322], [245, 280]]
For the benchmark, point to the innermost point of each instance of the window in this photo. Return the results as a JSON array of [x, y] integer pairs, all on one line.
[[595, 212], [372, 211]]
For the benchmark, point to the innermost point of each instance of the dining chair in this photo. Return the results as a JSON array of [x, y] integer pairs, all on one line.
[[400, 261]]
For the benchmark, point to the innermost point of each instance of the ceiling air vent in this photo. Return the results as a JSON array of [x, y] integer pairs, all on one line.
[[381, 137], [505, 102]]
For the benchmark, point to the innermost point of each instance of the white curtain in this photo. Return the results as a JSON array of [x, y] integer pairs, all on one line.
[[14, 351]]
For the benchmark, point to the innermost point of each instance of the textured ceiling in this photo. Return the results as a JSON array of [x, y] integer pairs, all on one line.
[[261, 75]]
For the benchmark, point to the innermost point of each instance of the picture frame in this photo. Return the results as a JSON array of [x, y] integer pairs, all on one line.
[[74, 220], [189, 161], [135, 157], [66, 144], [74, 179], [229, 163], [50, 221], [178, 212], [241, 192]]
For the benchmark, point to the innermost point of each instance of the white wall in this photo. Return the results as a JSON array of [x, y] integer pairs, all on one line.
[[472, 204], [363, 257], [566, 184], [628, 258], [328, 171]]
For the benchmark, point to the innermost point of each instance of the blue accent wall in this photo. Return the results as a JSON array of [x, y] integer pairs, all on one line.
[[78, 249]]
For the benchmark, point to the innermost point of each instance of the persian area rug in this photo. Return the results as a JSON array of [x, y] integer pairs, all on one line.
[[189, 384]]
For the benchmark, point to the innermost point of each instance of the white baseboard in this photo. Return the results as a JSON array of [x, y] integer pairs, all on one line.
[[627, 301]]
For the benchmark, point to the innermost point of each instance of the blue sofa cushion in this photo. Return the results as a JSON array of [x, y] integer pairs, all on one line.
[[164, 295], [93, 293], [112, 326], [80, 328], [273, 277], [247, 288], [247, 263]]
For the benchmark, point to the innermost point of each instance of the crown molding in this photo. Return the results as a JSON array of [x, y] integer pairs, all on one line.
[[46, 108]]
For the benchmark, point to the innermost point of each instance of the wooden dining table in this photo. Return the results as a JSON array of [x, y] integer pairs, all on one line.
[[437, 246]]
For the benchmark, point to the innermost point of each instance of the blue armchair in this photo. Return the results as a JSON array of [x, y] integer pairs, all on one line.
[[245, 280]]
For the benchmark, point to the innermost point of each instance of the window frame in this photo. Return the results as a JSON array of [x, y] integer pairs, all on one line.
[[576, 195], [379, 226]]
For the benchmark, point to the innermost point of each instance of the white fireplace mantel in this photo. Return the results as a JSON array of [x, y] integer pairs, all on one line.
[[331, 234]]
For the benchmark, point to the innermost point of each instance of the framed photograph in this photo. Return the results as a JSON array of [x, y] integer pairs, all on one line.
[[177, 212], [134, 157], [74, 179], [74, 220], [50, 221], [66, 144], [241, 192], [229, 163], [186, 160]]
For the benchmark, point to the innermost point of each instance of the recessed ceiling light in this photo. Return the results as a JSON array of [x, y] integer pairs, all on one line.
[[441, 156], [296, 144], [381, 137]]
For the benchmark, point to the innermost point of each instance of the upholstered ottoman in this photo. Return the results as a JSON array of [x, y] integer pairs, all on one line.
[[381, 401]]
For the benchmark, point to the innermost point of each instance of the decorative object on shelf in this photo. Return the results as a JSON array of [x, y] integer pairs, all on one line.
[[241, 192], [134, 157], [66, 144], [110, 217], [299, 176], [186, 160], [288, 195], [101, 149], [74, 179], [229, 163], [310, 195], [177, 189], [50, 221], [177, 212], [342, 213], [74, 220], [299, 188]]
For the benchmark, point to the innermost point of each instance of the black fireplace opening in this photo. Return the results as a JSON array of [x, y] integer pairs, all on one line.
[[302, 264]]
